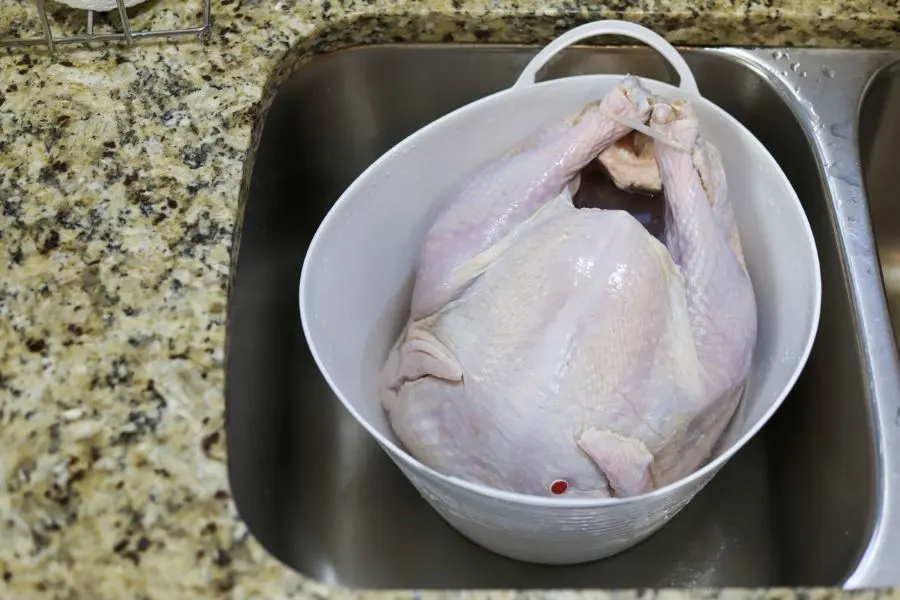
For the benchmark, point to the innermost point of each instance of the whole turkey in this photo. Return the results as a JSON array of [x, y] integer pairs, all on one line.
[[549, 344]]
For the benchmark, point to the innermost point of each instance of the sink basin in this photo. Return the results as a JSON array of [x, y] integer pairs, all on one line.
[[879, 144], [798, 506]]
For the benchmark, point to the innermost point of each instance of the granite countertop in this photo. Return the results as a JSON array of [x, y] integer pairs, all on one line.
[[120, 180]]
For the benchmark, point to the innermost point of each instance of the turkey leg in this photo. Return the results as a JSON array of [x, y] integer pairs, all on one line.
[[702, 239], [506, 193]]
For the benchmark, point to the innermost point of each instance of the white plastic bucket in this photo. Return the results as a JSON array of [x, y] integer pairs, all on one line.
[[357, 276]]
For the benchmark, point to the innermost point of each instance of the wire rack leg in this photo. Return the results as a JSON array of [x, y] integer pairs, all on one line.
[[126, 26], [45, 23]]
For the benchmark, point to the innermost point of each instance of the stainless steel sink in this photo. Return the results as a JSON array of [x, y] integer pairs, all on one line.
[[879, 141], [807, 503]]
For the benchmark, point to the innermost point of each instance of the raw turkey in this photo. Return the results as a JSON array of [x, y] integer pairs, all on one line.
[[548, 343]]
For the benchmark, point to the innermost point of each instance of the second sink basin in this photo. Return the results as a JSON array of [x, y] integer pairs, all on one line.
[[879, 141], [796, 507]]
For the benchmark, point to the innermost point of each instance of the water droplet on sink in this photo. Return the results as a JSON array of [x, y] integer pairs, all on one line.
[[802, 73], [851, 220], [841, 130], [795, 67], [777, 55], [828, 72], [848, 177]]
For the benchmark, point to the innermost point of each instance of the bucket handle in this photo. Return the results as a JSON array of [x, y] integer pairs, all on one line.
[[610, 27]]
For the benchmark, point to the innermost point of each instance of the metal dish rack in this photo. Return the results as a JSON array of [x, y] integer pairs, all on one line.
[[127, 34]]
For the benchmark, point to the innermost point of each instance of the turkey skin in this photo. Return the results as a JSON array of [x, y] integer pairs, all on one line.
[[548, 343]]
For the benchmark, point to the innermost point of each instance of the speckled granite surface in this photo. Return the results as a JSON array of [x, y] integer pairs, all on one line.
[[120, 174]]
